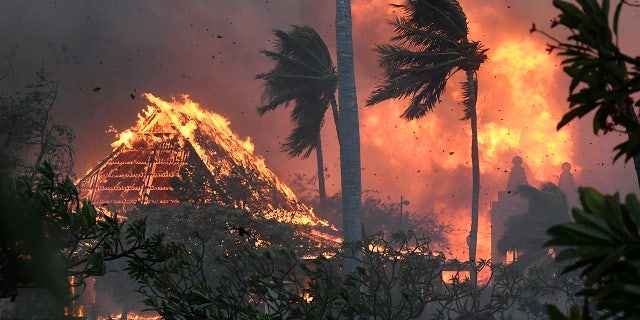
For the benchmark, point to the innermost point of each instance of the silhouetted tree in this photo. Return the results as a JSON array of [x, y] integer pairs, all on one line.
[[204, 250], [433, 44], [602, 242], [547, 206], [305, 76], [48, 236], [28, 134], [197, 185]]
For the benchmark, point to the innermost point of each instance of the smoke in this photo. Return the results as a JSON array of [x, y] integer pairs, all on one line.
[[211, 51]]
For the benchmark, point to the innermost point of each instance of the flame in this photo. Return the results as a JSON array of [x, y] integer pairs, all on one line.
[[449, 276], [210, 136], [124, 137], [530, 78], [517, 108]]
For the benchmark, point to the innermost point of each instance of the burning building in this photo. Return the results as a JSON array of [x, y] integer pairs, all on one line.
[[179, 152]]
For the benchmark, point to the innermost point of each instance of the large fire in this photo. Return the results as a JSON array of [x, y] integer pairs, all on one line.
[[517, 114], [170, 135], [528, 124]]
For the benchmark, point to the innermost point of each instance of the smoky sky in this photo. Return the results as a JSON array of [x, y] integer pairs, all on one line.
[[210, 50]]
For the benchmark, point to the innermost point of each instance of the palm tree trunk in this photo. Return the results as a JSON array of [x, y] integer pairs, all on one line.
[[321, 185], [349, 132], [475, 163]]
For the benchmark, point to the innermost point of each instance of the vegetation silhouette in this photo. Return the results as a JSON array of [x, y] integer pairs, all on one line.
[[305, 76], [432, 45]]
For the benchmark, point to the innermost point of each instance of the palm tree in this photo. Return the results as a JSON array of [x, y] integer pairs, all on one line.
[[526, 233], [305, 76], [349, 133], [432, 45]]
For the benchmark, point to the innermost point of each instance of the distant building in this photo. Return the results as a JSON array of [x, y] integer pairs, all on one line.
[[508, 204]]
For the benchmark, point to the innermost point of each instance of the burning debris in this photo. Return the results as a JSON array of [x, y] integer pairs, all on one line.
[[179, 152]]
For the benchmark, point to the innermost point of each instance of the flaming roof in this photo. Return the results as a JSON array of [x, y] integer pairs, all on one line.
[[171, 136]]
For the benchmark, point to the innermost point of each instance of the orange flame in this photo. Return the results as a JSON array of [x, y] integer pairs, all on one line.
[[517, 114], [530, 76], [200, 127]]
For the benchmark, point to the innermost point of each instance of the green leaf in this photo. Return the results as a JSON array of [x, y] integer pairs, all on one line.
[[633, 206], [616, 219], [573, 113], [592, 200], [554, 313], [589, 235], [632, 288], [569, 12], [593, 221], [96, 260], [630, 147]]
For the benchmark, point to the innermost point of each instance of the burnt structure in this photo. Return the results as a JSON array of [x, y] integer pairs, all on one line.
[[179, 143], [140, 172]]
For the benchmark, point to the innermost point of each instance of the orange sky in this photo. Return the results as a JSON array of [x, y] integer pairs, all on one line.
[[210, 50]]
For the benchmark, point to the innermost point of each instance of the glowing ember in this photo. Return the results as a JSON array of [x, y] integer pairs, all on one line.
[[448, 276]]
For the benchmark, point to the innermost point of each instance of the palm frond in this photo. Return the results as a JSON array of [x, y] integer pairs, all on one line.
[[304, 136], [419, 75], [427, 98], [547, 205], [305, 77], [526, 232], [431, 45], [548, 201], [396, 57], [408, 34], [274, 103], [441, 17]]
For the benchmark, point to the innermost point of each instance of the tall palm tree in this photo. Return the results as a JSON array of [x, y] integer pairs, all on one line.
[[526, 232], [432, 45], [349, 133], [305, 76]]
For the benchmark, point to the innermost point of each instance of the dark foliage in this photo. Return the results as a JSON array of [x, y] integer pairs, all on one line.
[[305, 76], [603, 78], [526, 232], [27, 127], [432, 45], [48, 234], [603, 245]]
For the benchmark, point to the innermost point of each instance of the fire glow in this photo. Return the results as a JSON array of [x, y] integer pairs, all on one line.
[[180, 116], [165, 137], [517, 113], [528, 127]]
